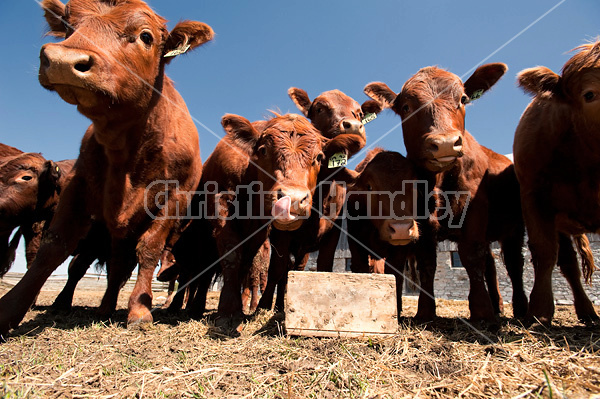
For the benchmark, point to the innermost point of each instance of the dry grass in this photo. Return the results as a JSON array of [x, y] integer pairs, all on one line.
[[75, 355]]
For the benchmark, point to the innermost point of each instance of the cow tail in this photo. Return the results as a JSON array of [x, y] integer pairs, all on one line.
[[587, 257]]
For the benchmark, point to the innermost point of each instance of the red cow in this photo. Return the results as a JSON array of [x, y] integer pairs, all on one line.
[[383, 209], [29, 190], [111, 65], [556, 149], [261, 175], [332, 113], [475, 190]]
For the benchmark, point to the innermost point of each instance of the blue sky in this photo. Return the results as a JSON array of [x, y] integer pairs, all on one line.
[[262, 48]]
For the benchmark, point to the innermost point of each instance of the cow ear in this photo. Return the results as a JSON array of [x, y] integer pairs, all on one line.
[[371, 107], [301, 99], [348, 176], [347, 143], [240, 130], [185, 36], [538, 80], [381, 93], [483, 79], [54, 12]]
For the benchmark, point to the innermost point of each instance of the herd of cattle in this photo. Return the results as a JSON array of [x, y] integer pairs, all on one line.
[[104, 206]]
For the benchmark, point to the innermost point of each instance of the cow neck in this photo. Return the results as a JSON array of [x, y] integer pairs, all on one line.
[[122, 135]]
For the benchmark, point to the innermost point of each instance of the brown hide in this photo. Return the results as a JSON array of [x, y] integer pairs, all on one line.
[[432, 107], [382, 215], [111, 65], [556, 149]]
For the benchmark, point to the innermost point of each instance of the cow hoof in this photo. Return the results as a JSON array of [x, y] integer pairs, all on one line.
[[139, 318]]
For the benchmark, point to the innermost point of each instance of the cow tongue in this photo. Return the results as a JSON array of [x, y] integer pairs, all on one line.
[[281, 209]]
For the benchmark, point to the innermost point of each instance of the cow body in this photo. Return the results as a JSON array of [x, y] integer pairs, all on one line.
[[556, 150], [332, 113], [474, 191], [141, 134], [383, 210], [30, 187]]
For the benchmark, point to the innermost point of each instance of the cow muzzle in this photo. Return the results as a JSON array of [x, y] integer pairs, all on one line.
[[399, 232], [443, 150], [60, 65], [352, 126], [290, 208]]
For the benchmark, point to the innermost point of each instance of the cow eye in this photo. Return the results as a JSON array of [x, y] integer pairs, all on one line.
[[319, 157], [369, 188], [464, 99], [146, 37], [26, 177], [589, 96], [405, 108], [262, 150]]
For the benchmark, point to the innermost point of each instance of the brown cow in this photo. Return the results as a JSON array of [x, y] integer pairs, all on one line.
[[383, 209], [111, 65], [29, 190], [333, 113], [475, 191], [258, 178], [556, 151]]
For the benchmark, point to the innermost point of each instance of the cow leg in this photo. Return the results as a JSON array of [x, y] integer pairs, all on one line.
[[149, 250], [68, 226], [170, 294], [327, 247], [512, 251], [120, 266], [426, 265], [280, 259], [8, 250], [473, 256], [491, 280], [543, 244], [77, 269], [394, 265], [569, 267]]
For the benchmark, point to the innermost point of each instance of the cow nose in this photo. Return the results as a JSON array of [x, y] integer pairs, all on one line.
[[62, 65], [442, 146], [300, 200], [352, 126]]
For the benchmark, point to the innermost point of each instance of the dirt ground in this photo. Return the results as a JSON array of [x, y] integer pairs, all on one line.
[[76, 355]]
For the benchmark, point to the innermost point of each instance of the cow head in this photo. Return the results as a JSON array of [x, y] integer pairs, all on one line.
[[385, 191], [28, 183], [579, 85], [332, 112], [113, 53], [432, 107], [287, 152]]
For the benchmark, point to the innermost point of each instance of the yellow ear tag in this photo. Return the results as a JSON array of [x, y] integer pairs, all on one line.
[[179, 50], [368, 118], [338, 159], [57, 169], [476, 94]]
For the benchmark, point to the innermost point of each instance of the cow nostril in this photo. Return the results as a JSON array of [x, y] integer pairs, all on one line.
[[279, 194], [346, 125], [44, 60], [458, 142], [433, 147], [83, 67], [304, 200], [84, 64]]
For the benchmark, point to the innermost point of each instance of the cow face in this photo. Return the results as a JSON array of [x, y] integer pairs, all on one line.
[[21, 180], [385, 191], [332, 112], [287, 152], [432, 107], [113, 54], [579, 85]]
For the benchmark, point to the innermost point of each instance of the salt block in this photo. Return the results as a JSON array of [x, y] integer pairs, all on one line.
[[320, 304]]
